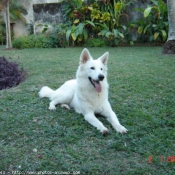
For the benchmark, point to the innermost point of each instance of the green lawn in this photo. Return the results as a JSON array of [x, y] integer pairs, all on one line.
[[142, 93]]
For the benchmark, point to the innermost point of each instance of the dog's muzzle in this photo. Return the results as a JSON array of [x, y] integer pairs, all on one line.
[[96, 83]]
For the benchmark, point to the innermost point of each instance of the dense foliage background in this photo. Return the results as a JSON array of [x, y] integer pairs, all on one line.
[[102, 22]]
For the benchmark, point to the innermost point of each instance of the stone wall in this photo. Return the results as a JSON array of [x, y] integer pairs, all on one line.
[[21, 29], [49, 14]]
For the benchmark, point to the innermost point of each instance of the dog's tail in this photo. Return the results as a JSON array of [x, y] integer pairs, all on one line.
[[46, 92]]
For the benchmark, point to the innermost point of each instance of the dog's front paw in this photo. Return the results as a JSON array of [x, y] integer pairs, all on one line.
[[104, 131], [121, 129], [52, 108]]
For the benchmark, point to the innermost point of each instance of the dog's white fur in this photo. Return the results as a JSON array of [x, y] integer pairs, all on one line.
[[88, 93]]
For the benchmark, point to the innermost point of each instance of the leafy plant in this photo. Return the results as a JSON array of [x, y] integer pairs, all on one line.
[[67, 8], [17, 11], [38, 41], [113, 36], [78, 31], [114, 29], [58, 40], [10, 74], [155, 22], [101, 18], [95, 42]]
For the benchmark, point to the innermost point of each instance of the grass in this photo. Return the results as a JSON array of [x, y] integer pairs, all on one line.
[[142, 93]]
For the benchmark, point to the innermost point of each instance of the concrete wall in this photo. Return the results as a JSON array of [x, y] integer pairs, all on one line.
[[49, 14], [21, 29]]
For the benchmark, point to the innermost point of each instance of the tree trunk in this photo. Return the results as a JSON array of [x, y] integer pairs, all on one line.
[[169, 46], [8, 31]]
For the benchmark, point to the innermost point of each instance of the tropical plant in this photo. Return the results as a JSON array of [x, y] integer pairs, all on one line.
[[67, 8], [75, 33], [98, 19], [155, 22], [17, 11], [70, 28], [13, 10], [114, 29], [116, 9]]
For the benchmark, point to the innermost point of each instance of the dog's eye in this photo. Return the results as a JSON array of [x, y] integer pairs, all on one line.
[[101, 68], [92, 68]]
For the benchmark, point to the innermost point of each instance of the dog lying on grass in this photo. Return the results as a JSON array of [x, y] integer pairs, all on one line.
[[88, 93]]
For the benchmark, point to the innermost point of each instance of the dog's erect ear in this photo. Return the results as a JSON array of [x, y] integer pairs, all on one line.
[[104, 58], [85, 56]]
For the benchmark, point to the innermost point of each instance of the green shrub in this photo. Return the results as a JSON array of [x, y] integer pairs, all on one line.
[[95, 42], [37, 41], [100, 18]]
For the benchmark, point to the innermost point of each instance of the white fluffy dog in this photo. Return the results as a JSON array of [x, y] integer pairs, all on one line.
[[88, 93]]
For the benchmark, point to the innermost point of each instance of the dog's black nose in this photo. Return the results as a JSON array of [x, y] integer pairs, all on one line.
[[101, 77]]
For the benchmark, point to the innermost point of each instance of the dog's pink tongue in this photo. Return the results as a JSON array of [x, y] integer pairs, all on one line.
[[98, 87]]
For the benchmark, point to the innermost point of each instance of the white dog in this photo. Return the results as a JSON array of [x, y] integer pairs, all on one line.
[[88, 93]]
